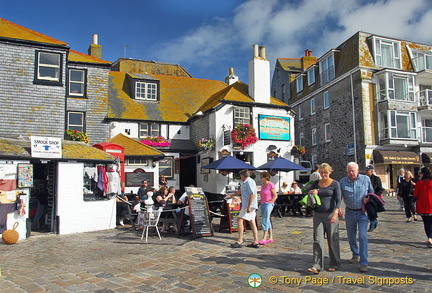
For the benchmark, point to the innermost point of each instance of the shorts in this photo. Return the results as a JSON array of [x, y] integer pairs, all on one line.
[[247, 216]]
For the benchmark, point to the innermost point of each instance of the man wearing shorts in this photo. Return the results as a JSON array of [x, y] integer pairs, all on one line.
[[249, 206]]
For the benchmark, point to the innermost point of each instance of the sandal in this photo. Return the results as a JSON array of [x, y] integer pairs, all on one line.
[[253, 245], [262, 242], [237, 245], [332, 269], [314, 270]]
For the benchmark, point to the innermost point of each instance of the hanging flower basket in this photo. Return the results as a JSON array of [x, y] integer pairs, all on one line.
[[158, 141], [244, 135], [206, 144], [224, 173], [76, 135], [298, 150]]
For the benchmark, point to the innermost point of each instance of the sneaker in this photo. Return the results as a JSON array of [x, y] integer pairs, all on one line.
[[121, 223], [363, 268], [354, 259]]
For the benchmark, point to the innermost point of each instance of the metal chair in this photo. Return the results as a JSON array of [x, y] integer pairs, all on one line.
[[150, 218]]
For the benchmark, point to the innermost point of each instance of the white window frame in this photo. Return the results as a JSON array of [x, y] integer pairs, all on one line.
[[380, 45], [146, 90], [426, 130], [299, 83], [327, 132], [312, 106], [81, 83], [326, 67], [390, 128], [241, 115], [56, 66], [314, 136], [80, 126], [301, 139], [311, 75], [300, 112], [326, 100], [394, 85], [149, 130], [137, 162]]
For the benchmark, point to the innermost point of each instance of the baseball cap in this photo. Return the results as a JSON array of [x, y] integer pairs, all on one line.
[[370, 167]]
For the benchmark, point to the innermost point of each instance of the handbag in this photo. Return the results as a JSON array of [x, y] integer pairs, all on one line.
[[310, 201]]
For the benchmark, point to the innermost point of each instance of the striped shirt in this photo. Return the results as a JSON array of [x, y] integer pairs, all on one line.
[[353, 192]]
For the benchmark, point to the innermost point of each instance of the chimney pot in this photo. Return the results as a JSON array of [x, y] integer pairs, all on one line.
[[95, 39], [308, 53], [255, 50], [262, 53]]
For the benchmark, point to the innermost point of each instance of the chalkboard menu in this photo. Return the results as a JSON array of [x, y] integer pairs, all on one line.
[[135, 179], [233, 213], [199, 212]]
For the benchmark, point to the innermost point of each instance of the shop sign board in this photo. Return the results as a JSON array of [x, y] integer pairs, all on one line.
[[46, 147]]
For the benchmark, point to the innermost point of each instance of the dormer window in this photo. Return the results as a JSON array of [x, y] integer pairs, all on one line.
[[146, 90], [387, 53], [327, 70]]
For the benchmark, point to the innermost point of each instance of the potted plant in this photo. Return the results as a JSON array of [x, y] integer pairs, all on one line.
[[206, 144], [156, 141], [77, 135]]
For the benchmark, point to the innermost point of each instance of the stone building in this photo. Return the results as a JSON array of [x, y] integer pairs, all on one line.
[[366, 100]]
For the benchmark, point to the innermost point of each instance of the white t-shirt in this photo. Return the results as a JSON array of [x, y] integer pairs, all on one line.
[[183, 199]]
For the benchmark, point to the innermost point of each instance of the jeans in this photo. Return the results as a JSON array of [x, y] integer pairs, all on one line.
[[321, 226], [39, 213], [357, 221], [266, 209]]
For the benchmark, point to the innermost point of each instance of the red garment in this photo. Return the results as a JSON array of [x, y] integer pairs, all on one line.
[[423, 193], [7, 184]]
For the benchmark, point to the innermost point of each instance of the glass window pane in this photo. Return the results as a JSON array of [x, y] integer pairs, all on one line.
[[76, 88], [75, 118], [49, 59], [48, 72], [402, 127], [76, 75]]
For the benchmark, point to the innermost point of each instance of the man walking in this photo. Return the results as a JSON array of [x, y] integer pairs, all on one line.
[[354, 188], [378, 190], [249, 205]]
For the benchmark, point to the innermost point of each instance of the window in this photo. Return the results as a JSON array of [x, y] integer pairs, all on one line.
[[398, 124], [77, 82], [241, 115], [387, 53], [299, 83], [301, 139], [76, 121], [48, 67], [137, 161], [314, 136], [149, 129], [166, 167], [300, 112], [427, 130], [422, 60], [327, 69], [146, 91], [311, 75], [394, 86], [312, 106], [327, 132], [326, 101]]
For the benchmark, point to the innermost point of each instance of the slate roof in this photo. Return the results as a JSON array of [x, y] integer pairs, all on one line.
[[290, 64], [71, 150], [12, 31], [75, 56], [133, 147]]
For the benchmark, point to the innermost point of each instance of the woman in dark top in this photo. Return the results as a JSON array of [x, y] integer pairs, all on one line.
[[406, 191], [326, 220]]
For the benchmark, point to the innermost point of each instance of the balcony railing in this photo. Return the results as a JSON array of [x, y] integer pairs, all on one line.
[[425, 97], [393, 95]]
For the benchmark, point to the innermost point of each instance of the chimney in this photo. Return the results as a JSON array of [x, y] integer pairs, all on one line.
[[259, 76], [231, 78], [95, 50], [307, 60]]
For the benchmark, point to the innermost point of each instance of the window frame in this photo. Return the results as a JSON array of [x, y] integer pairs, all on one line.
[[75, 126], [326, 100], [390, 128], [241, 119], [388, 82], [151, 129], [314, 139], [312, 106], [327, 70], [300, 112], [311, 73], [38, 65], [378, 43], [143, 94], [299, 83], [168, 160], [426, 130], [142, 162], [301, 139], [84, 83], [327, 132]]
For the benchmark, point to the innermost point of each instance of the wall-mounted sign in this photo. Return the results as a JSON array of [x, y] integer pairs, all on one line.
[[274, 127], [46, 147]]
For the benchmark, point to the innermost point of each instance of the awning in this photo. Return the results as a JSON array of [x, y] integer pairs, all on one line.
[[396, 157], [426, 158]]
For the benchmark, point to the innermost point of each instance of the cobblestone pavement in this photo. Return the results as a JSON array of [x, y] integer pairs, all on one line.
[[119, 261]]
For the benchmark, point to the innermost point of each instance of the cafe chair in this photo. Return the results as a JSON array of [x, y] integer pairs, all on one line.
[[150, 218]]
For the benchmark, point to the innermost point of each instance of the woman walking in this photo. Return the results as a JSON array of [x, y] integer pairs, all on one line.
[[326, 220], [406, 191], [268, 198], [423, 194]]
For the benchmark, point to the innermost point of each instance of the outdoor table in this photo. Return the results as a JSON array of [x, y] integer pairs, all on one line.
[[286, 203], [169, 215]]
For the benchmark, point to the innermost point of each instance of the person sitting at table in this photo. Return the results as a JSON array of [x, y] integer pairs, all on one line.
[[285, 189], [161, 198], [122, 209], [295, 189]]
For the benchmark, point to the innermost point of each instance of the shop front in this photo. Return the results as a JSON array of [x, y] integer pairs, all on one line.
[[67, 191]]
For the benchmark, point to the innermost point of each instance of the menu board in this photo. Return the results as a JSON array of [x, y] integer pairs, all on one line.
[[199, 212], [136, 178], [233, 213]]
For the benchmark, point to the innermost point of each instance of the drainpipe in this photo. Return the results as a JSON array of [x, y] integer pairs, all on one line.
[[353, 115]]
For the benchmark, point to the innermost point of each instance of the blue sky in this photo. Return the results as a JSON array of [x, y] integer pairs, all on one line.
[[207, 37]]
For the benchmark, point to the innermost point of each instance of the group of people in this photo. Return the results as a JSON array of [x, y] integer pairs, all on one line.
[[358, 191]]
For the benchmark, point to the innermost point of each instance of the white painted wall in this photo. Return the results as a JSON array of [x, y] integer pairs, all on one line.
[[75, 214]]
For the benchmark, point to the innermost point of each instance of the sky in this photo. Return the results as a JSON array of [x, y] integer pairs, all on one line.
[[207, 37]]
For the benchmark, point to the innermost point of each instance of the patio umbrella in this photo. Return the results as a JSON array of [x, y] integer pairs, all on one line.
[[229, 163], [280, 164]]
